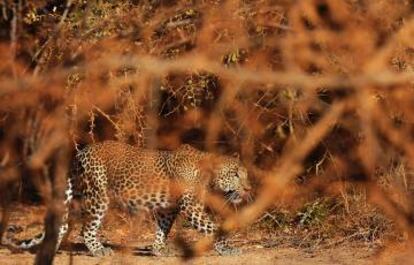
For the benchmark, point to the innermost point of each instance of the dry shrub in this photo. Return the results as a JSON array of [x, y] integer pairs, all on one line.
[[316, 96]]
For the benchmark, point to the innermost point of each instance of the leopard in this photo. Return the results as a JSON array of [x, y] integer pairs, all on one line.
[[163, 182]]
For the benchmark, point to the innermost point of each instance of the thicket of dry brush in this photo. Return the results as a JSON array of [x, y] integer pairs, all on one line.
[[316, 96]]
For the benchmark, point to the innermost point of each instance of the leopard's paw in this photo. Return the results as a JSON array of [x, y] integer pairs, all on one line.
[[102, 252], [228, 251]]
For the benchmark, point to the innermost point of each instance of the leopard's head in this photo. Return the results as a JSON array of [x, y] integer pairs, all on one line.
[[230, 178], [225, 174]]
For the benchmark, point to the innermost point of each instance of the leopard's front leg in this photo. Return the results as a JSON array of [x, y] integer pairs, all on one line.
[[164, 221], [195, 213]]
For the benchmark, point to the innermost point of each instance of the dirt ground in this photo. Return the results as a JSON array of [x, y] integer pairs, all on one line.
[[129, 236], [255, 254], [251, 255]]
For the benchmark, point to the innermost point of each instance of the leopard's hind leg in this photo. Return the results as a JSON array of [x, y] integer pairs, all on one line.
[[95, 204]]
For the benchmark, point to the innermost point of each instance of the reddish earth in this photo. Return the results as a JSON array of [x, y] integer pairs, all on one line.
[[135, 233], [252, 255]]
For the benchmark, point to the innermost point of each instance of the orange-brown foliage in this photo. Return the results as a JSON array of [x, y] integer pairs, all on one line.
[[315, 95]]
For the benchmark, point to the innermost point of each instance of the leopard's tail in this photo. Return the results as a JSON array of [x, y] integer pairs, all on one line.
[[38, 239]]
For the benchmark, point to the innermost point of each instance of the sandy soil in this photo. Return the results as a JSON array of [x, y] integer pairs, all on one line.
[[122, 231], [251, 255]]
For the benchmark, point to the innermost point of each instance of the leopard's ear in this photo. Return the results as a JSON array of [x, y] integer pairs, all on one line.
[[186, 147], [236, 155]]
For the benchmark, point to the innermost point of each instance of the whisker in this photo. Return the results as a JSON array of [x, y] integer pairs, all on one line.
[[249, 198], [230, 198]]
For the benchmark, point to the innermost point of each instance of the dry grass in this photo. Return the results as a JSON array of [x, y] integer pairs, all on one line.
[[315, 95]]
